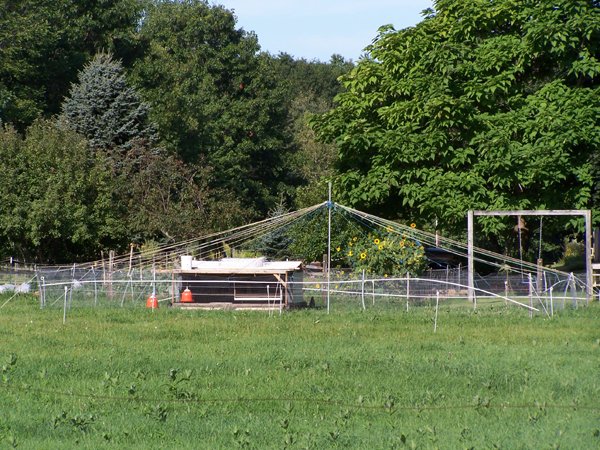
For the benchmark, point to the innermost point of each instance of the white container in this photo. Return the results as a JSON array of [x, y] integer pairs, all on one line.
[[186, 262]]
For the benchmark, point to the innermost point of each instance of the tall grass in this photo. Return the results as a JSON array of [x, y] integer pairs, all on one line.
[[134, 378]]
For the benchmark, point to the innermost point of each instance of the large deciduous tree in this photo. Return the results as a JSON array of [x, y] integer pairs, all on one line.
[[214, 98], [482, 105], [45, 42], [311, 87], [56, 198]]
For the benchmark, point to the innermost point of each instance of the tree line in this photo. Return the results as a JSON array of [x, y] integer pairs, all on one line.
[[153, 121], [134, 121]]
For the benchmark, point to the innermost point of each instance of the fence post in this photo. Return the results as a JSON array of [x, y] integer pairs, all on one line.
[[65, 306], [437, 304], [573, 290], [43, 291], [362, 290], [71, 293], [95, 287], [373, 293], [530, 295], [407, 289]]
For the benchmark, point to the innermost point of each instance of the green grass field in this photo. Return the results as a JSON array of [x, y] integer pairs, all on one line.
[[134, 378]]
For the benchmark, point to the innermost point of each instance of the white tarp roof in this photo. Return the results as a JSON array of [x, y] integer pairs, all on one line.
[[244, 265]]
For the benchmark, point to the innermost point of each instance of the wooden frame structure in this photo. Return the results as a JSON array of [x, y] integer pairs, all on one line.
[[239, 281], [586, 213]]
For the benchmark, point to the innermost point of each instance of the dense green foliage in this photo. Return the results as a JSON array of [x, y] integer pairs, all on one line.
[[183, 125], [133, 378], [482, 105], [55, 195], [355, 245], [213, 97], [45, 42]]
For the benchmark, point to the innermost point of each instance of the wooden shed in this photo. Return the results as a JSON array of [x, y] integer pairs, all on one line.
[[240, 282]]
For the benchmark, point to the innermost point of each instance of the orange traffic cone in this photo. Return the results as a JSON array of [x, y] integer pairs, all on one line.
[[152, 302], [186, 296]]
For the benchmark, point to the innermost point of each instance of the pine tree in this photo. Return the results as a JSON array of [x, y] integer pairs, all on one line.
[[104, 109]]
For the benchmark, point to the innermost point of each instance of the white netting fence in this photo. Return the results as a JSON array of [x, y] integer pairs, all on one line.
[[77, 287], [128, 280]]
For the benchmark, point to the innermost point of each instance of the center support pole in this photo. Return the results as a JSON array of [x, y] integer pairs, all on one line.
[[329, 206], [470, 263]]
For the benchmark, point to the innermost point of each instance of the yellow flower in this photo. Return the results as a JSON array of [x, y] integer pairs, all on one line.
[[413, 225], [376, 241], [337, 249], [355, 239], [350, 244], [318, 286], [350, 253], [380, 247], [385, 275], [401, 243], [363, 255]]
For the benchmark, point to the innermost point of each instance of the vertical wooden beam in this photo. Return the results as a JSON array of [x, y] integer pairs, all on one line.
[[589, 281]]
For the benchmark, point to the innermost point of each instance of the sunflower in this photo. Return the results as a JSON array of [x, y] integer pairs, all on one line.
[[363, 255], [376, 241], [380, 247], [355, 239], [337, 249], [413, 225], [389, 229], [350, 253], [401, 244]]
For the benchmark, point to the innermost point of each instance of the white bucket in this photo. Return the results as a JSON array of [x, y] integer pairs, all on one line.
[[186, 262]]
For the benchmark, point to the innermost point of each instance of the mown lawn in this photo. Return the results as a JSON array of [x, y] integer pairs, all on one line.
[[133, 378]]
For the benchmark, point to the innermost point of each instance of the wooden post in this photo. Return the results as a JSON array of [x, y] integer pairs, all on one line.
[[103, 269], [95, 287], [111, 257], [589, 276], [530, 295], [130, 258], [538, 281]]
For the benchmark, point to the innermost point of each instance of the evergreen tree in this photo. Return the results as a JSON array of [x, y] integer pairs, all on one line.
[[104, 109]]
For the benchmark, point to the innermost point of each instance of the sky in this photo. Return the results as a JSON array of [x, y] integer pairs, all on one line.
[[316, 29]]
